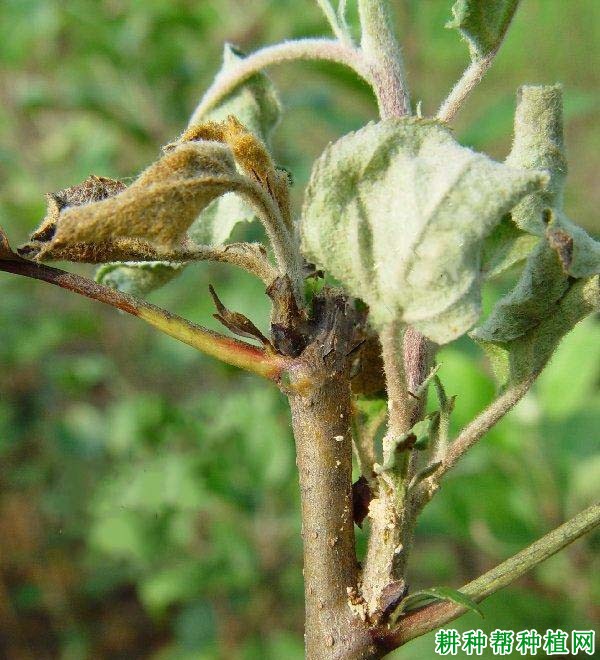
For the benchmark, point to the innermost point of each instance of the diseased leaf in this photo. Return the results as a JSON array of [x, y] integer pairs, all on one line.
[[538, 144], [482, 23], [425, 596], [255, 104], [398, 212], [541, 285], [155, 211], [579, 253], [236, 322], [506, 246], [521, 332], [527, 354]]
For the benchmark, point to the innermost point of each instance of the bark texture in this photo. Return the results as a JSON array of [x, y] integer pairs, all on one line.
[[320, 402]]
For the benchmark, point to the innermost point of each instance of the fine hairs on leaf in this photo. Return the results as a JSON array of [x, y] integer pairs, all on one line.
[[482, 23], [401, 226], [154, 211], [563, 252], [255, 104], [397, 212]]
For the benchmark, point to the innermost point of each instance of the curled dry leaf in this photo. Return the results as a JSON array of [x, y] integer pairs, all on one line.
[[525, 325], [252, 158], [236, 322], [97, 220], [256, 105]]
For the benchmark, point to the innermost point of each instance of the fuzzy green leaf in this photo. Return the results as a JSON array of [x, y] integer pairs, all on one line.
[[522, 330], [425, 596], [256, 106], [517, 359], [398, 212], [482, 23], [541, 285], [538, 144], [138, 278], [506, 246]]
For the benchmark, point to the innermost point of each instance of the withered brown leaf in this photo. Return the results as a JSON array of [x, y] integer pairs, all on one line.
[[101, 220], [236, 322]]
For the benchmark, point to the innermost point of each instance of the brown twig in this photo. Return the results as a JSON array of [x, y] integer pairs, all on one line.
[[433, 616], [229, 350]]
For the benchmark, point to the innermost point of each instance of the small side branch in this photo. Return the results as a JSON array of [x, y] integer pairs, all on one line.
[[473, 432], [382, 51], [391, 532], [338, 28], [232, 351], [429, 618], [287, 51], [472, 76]]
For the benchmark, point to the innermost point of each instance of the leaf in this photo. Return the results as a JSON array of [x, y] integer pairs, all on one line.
[[138, 279], [237, 322], [517, 359], [505, 247], [155, 211], [540, 287], [255, 104], [398, 212], [578, 252], [482, 23], [522, 330], [425, 596], [538, 144]]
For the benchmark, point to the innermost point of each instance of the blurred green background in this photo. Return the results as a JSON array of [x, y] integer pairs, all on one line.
[[148, 495]]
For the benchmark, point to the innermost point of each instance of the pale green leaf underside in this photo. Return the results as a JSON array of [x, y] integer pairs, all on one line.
[[519, 358], [138, 279], [506, 246], [541, 285], [398, 212], [482, 23]]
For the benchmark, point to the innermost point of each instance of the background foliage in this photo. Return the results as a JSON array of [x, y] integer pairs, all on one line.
[[148, 497]]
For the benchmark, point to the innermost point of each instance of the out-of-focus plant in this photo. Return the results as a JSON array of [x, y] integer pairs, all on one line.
[[401, 226]]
